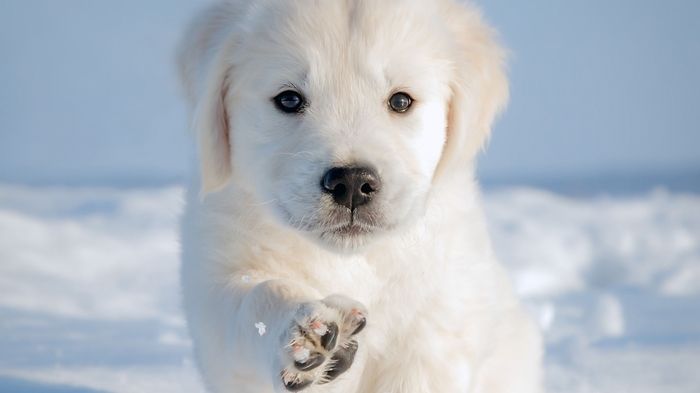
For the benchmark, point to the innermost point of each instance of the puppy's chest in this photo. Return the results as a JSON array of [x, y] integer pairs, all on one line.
[[353, 277], [409, 301], [383, 285]]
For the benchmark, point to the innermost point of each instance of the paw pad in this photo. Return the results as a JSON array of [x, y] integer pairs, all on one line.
[[321, 342], [293, 384], [341, 361]]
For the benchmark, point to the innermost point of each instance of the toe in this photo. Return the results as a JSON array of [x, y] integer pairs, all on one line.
[[360, 325], [330, 338], [341, 361], [314, 360], [294, 386]]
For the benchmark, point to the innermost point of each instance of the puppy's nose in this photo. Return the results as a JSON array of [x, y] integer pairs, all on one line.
[[351, 187]]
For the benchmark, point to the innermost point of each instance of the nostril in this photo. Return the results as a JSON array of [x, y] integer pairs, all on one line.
[[366, 188], [339, 190], [333, 179]]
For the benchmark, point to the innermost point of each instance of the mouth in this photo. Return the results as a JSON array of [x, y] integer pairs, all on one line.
[[338, 228], [347, 237], [350, 229], [340, 233]]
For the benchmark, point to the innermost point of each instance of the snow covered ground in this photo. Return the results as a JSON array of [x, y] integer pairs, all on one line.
[[89, 295]]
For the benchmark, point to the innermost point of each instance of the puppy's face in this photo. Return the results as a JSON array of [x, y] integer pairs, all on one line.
[[335, 113], [338, 117]]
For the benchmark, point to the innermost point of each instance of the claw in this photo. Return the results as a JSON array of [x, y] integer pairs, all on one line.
[[329, 339], [314, 360], [341, 361], [360, 326], [297, 386]]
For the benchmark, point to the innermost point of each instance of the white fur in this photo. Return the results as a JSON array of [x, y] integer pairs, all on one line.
[[441, 313]]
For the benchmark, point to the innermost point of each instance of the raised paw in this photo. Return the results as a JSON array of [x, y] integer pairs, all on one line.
[[321, 342]]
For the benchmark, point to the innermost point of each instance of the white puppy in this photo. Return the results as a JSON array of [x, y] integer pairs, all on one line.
[[335, 242]]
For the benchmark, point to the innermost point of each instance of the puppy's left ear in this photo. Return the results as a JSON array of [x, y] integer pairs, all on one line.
[[479, 87]]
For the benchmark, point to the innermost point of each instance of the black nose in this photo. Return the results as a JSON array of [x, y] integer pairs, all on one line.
[[351, 187]]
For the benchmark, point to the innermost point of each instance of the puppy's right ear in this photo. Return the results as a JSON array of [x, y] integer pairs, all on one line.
[[211, 126], [204, 70]]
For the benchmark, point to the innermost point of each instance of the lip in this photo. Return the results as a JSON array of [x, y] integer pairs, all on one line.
[[350, 230]]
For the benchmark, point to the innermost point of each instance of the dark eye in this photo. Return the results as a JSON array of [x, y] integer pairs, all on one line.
[[400, 102], [289, 101]]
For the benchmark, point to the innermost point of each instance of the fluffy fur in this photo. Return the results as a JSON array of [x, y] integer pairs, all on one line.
[[261, 240]]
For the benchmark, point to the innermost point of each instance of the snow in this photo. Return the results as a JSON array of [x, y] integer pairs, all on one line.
[[613, 281], [261, 328], [89, 287]]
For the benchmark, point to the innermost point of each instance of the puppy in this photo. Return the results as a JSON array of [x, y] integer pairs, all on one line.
[[334, 241]]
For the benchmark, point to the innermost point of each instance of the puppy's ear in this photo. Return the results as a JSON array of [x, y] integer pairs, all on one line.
[[205, 70], [479, 88], [211, 126]]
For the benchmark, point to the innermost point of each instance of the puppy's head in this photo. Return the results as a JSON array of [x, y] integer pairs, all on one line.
[[339, 116]]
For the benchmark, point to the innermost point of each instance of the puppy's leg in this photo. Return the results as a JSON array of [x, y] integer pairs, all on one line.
[[296, 338], [515, 365]]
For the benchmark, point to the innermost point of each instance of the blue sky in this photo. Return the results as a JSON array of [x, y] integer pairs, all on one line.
[[88, 93], [598, 86]]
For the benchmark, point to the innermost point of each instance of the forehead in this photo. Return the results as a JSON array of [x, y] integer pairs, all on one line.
[[380, 43]]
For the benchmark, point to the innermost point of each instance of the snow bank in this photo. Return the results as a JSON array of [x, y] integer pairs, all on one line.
[[90, 253]]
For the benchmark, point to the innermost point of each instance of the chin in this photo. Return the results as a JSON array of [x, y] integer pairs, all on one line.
[[349, 239]]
